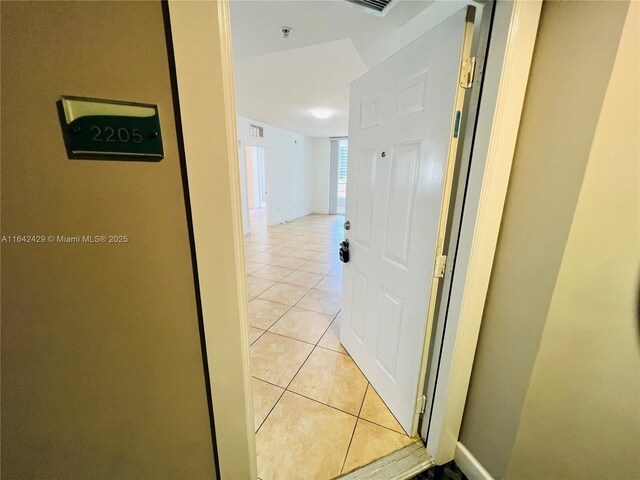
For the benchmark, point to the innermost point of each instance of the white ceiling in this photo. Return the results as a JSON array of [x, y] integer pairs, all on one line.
[[333, 42], [280, 88]]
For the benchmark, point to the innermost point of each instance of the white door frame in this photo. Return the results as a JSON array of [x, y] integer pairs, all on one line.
[[209, 106], [266, 176]]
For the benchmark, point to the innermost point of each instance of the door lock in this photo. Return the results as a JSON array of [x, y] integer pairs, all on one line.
[[347, 225], [344, 250]]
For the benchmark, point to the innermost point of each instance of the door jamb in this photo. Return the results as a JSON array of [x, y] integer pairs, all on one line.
[[201, 34], [482, 30], [266, 180], [511, 47], [498, 126]]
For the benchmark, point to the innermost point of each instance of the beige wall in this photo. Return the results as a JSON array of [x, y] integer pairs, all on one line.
[[554, 375], [102, 372], [582, 411]]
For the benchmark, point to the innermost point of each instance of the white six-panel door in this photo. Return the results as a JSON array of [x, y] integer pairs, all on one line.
[[402, 129]]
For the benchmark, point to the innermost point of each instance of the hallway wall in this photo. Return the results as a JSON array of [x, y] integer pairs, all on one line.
[[585, 382], [102, 368], [555, 382], [290, 170]]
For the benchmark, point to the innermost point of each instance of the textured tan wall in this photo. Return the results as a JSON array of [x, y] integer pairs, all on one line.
[[102, 374], [573, 58], [582, 413]]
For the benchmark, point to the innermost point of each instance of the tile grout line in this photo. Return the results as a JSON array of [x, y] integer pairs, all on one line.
[[267, 381], [358, 416], [404, 434], [271, 409], [322, 403], [284, 390], [332, 350], [297, 301], [312, 350], [383, 402], [263, 332], [297, 269], [288, 337], [305, 360], [354, 429], [276, 321], [324, 348], [322, 277], [290, 307], [323, 333], [297, 339], [285, 313], [365, 396], [281, 280], [298, 371], [306, 260]]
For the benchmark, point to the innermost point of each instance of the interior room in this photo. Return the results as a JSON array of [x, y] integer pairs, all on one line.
[[294, 63]]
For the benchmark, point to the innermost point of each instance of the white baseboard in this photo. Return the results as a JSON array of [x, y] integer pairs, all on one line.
[[469, 464]]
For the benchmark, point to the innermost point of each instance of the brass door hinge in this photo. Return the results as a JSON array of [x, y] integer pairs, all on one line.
[[467, 72], [441, 263], [421, 404]]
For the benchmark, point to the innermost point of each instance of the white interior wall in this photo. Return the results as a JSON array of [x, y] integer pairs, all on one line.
[[290, 171]]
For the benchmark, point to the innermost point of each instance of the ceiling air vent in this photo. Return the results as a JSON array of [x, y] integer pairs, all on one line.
[[377, 7], [256, 131]]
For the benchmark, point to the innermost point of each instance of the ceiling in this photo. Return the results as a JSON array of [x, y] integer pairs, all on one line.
[[278, 80]]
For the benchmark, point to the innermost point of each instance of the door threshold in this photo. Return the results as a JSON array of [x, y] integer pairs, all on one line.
[[399, 465]]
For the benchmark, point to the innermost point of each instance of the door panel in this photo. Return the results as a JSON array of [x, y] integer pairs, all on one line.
[[402, 189], [401, 126], [390, 326], [365, 186], [359, 299]]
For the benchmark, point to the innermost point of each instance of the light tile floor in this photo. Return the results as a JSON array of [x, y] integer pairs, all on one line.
[[316, 415]]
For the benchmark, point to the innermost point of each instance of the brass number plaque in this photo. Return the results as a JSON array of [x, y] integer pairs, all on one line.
[[111, 130]]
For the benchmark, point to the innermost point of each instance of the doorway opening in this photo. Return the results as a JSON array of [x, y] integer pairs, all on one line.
[[337, 373], [506, 74], [256, 185]]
